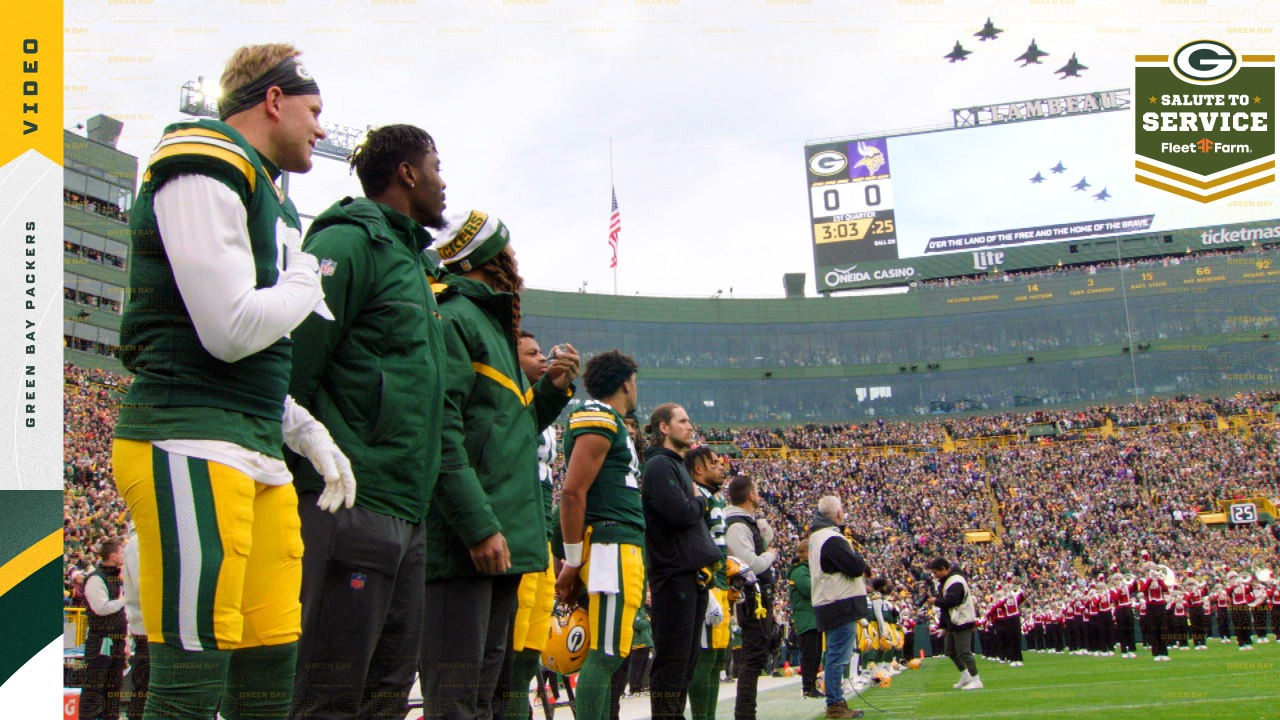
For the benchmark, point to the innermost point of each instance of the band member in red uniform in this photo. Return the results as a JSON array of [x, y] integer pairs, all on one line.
[[1195, 598], [1092, 628], [995, 626], [1122, 598], [1273, 599], [1012, 625], [1240, 590], [1156, 592], [1106, 623], [1222, 606], [1179, 622]]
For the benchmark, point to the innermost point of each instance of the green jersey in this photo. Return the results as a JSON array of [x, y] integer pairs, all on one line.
[[613, 501], [714, 518], [180, 390]]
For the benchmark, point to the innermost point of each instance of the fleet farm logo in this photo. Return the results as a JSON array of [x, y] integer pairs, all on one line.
[[1205, 121]]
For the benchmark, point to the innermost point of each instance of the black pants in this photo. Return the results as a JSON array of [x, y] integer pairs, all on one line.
[[139, 675], [755, 649], [1223, 631], [1106, 631], [103, 671], [638, 669], [1156, 630], [1013, 638], [362, 613], [679, 610], [462, 656], [1124, 628], [810, 659], [1199, 625], [1241, 619]]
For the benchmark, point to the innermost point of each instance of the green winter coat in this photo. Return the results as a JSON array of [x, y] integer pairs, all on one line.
[[489, 455], [801, 598], [642, 632], [375, 375]]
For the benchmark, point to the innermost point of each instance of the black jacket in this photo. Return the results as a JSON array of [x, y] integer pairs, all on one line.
[[836, 556], [675, 537]]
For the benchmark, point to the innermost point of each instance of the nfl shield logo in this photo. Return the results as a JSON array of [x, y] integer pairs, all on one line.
[[357, 581], [327, 266]]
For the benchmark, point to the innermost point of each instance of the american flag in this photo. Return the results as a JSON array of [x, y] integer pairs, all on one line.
[[615, 229]]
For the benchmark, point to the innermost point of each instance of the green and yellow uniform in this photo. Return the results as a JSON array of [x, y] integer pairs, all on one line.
[[613, 557], [220, 554], [704, 689]]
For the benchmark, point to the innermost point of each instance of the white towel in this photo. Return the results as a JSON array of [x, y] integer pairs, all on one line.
[[602, 576]]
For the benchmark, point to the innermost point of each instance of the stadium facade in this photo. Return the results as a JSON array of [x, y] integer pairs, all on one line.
[[98, 189], [1184, 322]]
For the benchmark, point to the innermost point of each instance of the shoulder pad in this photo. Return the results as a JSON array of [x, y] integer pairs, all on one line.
[[203, 151]]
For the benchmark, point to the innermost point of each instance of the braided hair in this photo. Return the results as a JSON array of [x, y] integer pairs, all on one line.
[[505, 278]]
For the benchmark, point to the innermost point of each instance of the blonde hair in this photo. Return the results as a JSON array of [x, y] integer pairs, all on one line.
[[250, 61]]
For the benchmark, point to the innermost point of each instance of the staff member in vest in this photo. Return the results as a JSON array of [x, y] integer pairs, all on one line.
[[801, 585], [104, 645], [751, 540], [839, 599], [958, 616], [139, 672], [217, 283], [677, 546]]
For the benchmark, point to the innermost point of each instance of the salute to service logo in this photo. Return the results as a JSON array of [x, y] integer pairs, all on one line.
[[1205, 121]]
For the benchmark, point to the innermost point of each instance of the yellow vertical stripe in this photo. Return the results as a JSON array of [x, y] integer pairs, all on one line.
[[131, 464], [632, 560], [233, 496]]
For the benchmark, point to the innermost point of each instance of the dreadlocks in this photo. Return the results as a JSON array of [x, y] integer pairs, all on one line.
[[502, 271]]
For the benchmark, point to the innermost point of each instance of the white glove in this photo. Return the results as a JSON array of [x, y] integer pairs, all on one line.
[[307, 437], [304, 264], [715, 614]]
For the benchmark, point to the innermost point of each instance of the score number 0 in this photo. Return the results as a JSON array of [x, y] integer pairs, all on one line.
[[855, 197]]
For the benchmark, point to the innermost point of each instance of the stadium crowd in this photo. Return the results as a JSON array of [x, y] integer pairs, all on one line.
[[1061, 507]]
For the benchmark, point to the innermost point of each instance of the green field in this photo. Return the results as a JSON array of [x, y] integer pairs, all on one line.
[[1220, 683]]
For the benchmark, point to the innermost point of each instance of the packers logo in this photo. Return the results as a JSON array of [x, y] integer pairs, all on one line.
[[475, 221], [301, 70], [1205, 61], [576, 640]]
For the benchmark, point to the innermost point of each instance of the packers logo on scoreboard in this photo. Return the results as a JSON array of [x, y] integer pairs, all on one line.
[[1205, 121]]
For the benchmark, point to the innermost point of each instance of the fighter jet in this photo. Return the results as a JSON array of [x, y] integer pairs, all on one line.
[[1038, 178], [988, 32], [1082, 184], [1102, 195], [1059, 168], [1032, 55], [957, 53], [1072, 68]]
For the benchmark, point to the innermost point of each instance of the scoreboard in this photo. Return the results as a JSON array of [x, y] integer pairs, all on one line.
[[851, 202], [885, 209]]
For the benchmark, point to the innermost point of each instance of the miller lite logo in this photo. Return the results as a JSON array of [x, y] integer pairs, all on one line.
[[986, 259]]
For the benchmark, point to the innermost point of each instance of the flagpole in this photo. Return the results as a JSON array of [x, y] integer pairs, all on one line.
[[615, 251]]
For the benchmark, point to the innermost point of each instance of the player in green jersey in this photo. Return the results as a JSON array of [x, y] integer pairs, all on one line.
[[705, 468], [602, 523], [218, 281]]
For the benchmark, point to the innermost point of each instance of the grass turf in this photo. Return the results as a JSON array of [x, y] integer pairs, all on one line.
[[1221, 683]]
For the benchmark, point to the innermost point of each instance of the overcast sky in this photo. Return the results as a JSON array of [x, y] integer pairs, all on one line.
[[708, 104]]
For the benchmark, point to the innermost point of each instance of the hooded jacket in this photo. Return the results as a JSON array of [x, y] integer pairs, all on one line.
[[676, 537], [374, 376], [489, 454]]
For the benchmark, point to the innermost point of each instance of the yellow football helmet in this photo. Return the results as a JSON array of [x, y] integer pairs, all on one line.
[[569, 641], [915, 664], [882, 679]]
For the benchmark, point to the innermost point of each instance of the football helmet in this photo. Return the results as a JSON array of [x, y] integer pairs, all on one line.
[[569, 640]]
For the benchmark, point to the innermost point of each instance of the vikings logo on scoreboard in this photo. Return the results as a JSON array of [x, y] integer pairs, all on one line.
[[851, 204]]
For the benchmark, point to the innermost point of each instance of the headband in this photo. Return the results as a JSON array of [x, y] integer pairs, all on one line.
[[289, 75]]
